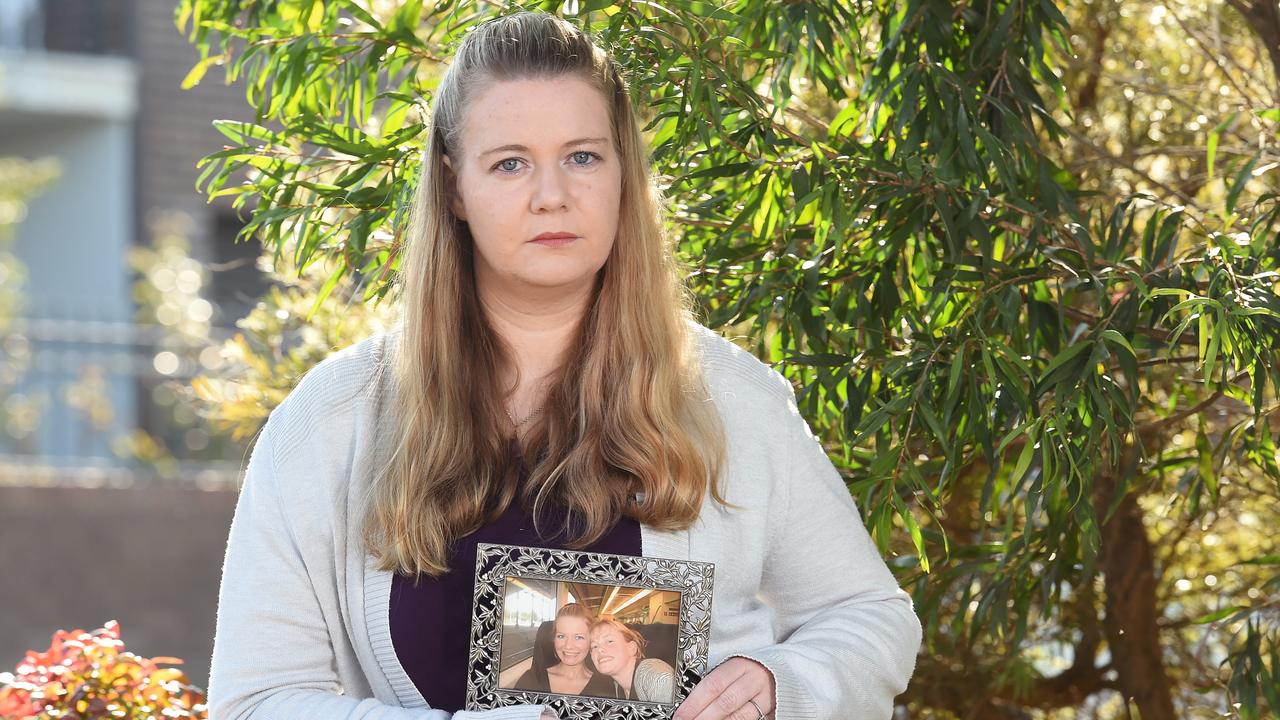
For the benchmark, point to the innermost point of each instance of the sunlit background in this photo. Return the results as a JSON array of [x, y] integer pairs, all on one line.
[[141, 344], [120, 283]]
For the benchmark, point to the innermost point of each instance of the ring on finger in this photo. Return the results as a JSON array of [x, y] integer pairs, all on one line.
[[758, 710]]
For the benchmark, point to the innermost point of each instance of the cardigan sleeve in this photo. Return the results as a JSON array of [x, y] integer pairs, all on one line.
[[272, 654], [849, 634]]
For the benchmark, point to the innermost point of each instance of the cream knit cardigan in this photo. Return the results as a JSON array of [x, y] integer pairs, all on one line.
[[302, 628]]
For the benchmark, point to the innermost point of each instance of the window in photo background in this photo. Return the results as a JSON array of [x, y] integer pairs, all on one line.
[[588, 639]]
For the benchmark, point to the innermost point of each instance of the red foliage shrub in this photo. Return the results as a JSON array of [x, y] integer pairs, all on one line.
[[90, 675]]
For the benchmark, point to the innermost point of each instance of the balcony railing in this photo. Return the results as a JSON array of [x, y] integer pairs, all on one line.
[[69, 369], [92, 27]]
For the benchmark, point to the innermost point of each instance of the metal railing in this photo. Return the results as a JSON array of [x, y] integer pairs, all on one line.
[[61, 367]]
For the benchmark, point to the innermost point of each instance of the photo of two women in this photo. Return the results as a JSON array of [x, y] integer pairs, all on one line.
[[573, 638]]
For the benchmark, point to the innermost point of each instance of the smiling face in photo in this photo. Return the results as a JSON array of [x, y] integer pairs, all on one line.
[[537, 157], [573, 640], [611, 651]]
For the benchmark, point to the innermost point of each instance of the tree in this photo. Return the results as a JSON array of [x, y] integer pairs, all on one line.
[[1047, 385]]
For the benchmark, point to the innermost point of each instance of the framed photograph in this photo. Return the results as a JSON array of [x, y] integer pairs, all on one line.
[[593, 635]]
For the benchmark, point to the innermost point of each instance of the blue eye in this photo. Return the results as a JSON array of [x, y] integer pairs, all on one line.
[[591, 159], [502, 163]]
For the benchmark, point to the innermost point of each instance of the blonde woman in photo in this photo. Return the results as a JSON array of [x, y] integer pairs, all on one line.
[[546, 385], [572, 674]]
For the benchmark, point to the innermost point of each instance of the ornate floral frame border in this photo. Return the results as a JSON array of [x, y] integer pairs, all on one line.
[[494, 563]]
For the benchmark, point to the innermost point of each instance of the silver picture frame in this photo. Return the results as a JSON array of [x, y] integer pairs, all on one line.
[[499, 565]]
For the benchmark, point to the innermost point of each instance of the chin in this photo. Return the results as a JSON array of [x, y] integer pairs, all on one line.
[[558, 271], [558, 280]]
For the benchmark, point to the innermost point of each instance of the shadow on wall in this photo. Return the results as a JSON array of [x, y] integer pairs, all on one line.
[[150, 558]]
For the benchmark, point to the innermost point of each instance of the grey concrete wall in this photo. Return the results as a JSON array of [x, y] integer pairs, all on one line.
[[149, 558]]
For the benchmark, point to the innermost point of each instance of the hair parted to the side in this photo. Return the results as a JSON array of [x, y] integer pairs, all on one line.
[[626, 413]]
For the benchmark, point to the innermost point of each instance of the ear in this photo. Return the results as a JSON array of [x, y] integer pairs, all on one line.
[[451, 189]]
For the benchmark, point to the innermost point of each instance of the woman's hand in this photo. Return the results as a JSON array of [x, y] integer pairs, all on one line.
[[548, 714], [727, 691]]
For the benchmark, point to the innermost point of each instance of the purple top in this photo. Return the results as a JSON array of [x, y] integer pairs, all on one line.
[[431, 624]]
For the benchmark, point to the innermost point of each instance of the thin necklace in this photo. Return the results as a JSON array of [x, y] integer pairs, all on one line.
[[530, 416], [526, 419]]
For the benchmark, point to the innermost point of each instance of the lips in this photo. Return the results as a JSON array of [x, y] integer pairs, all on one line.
[[555, 239]]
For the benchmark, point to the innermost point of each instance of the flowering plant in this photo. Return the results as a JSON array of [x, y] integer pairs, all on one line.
[[90, 675]]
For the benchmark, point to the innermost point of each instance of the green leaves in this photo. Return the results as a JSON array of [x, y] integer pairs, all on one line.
[[1211, 143], [1254, 678], [871, 194], [1237, 185], [1064, 366]]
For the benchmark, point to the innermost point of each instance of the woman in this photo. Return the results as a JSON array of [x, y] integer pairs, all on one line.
[[546, 386], [618, 651], [572, 675]]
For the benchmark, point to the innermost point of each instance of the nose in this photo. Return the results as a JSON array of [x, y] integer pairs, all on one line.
[[550, 192]]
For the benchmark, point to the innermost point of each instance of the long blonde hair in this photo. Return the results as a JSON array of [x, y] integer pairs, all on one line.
[[626, 413]]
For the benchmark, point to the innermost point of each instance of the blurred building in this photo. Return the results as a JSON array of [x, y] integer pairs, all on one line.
[[96, 84], [88, 534]]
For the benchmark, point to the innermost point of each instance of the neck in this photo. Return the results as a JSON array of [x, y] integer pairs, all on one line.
[[537, 323], [576, 672], [626, 678]]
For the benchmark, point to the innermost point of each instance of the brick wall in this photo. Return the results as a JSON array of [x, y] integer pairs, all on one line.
[[149, 558], [174, 131], [95, 27]]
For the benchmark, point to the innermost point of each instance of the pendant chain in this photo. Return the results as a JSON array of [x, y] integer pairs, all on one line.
[[526, 419]]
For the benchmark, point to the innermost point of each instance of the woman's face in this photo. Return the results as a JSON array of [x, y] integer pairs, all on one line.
[[611, 651], [573, 640], [537, 157]]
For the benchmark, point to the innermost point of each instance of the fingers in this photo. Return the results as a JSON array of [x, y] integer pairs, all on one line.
[[760, 709], [725, 693], [748, 711], [708, 691], [734, 703]]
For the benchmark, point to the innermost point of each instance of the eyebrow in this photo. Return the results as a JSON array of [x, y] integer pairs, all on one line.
[[522, 148]]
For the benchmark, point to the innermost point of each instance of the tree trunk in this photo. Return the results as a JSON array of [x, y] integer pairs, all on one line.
[[1263, 17], [1127, 563]]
